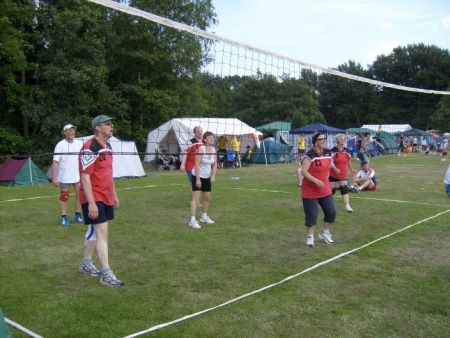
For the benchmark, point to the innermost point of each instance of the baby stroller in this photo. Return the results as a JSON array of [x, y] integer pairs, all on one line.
[[165, 161]]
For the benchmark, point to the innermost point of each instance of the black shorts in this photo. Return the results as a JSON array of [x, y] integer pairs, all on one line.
[[206, 184], [311, 208], [105, 213]]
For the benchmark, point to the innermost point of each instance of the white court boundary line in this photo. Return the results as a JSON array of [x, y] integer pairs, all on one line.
[[22, 328], [119, 189], [346, 253], [353, 197]]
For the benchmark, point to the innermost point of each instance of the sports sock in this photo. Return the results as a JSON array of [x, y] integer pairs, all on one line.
[[86, 261]]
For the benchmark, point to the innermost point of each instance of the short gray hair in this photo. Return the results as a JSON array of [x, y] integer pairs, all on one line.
[[340, 135]]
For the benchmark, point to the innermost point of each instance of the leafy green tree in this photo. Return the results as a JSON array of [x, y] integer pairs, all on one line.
[[17, 33], [346, 103], [416, 65]]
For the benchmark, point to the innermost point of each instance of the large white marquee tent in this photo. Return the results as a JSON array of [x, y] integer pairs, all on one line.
[[173, 136]]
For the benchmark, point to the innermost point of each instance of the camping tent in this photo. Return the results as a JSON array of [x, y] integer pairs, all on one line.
[[362, 131], [174, 135], [390, 128], [311, 129], [21, 171], [277, 129], [271, 152], [126, 161]]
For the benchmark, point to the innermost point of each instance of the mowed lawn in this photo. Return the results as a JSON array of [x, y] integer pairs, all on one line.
[[396, 287]]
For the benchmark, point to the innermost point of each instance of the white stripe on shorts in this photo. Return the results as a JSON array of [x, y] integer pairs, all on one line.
[[90, 233]]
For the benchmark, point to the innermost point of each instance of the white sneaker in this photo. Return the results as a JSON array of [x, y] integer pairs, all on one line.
[[194, 224], [325, 236], [206, 220], [348, 208], [310, 241]]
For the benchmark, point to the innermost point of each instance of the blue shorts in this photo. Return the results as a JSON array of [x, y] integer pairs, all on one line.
[[311, 208], [189, 175], [447, 189], [105, 213]]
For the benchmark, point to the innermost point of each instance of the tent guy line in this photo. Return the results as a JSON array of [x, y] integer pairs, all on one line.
[[267, 287]]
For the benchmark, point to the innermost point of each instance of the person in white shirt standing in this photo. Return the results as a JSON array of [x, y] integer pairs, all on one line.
[[66, 172]]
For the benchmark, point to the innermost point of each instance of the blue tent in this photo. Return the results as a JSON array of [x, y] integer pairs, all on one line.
[[309, 130]]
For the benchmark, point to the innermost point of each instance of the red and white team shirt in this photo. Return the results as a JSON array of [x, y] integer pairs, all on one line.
[[320, 169], [190, 154], [96, 161], [370, 173], [341, 160]]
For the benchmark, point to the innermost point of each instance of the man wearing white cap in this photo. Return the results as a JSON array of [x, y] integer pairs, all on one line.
[[66, 172]]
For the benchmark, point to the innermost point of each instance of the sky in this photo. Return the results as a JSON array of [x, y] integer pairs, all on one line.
[[329, 33]]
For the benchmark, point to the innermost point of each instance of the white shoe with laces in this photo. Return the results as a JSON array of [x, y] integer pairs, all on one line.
[[206, 220], [325, 236], [194, 224], [348, 208]]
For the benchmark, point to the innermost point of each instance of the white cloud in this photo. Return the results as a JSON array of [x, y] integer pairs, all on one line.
[[384, 48], [446, 23], [387, 25]]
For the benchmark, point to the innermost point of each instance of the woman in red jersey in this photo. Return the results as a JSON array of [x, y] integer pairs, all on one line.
[[342, 159], [316, 189]]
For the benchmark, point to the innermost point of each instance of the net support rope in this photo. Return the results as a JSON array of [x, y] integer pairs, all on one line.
[[183, 27]]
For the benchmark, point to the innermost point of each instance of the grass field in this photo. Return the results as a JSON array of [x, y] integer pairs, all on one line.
[[397, 287]]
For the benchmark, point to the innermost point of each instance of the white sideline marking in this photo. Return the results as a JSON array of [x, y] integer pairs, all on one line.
[[160, 326], [129, 188], [21, 328], [398, 201], [263, 190], [355, 197]]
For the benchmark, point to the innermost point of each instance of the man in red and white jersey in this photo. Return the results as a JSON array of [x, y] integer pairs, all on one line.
[[316, 189], [342, 159], [98, 198], [365, 178]]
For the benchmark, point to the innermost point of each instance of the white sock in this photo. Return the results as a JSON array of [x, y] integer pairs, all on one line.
[[204, 215], [192, 218]]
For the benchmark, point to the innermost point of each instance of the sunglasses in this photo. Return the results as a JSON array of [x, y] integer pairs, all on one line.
[[107, 124], [321, 139]]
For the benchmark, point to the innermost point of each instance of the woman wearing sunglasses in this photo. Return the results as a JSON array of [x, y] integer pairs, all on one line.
[[316, 189]]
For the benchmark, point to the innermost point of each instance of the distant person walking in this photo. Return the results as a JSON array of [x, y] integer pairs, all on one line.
[[316, 189], [66, 173], [98, 199], [343, 161]]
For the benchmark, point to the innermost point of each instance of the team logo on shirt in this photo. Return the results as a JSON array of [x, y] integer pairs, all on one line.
[[87, 157]]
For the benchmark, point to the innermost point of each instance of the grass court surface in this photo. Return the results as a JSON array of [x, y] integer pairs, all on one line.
[[396, 287]]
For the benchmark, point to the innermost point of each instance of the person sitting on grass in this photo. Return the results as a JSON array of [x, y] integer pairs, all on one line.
[[365, 179]]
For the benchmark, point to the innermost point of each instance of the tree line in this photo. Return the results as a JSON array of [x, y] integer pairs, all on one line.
[[67, 61]]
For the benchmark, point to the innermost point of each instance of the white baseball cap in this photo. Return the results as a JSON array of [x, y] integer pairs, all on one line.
[[68, 126]]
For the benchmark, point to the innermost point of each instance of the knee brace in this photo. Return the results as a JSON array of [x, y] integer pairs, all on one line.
[[64, 196], [344, 189]]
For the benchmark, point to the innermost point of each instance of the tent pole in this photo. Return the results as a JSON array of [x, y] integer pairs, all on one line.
[[265, 155], [29, 169]]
